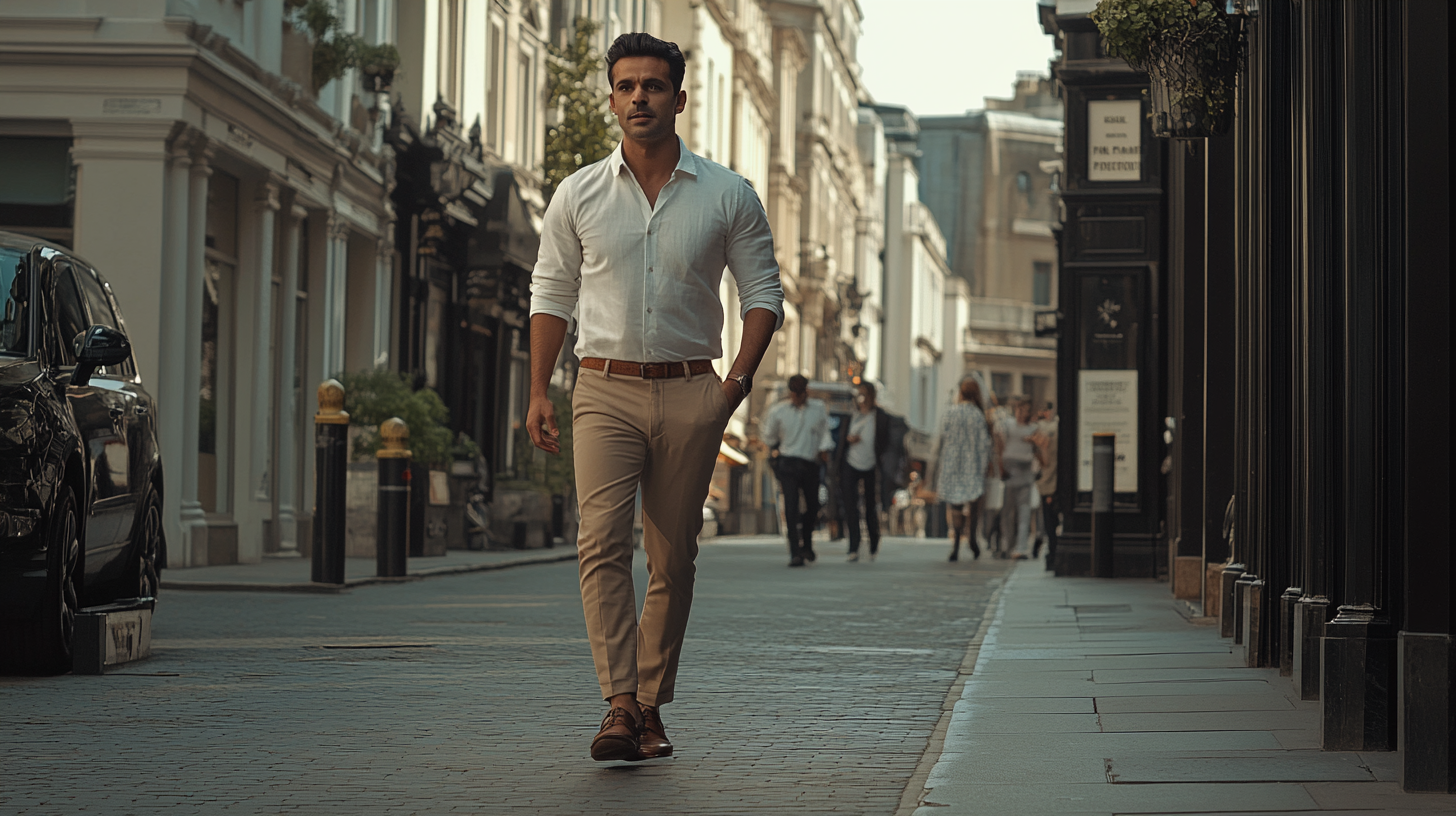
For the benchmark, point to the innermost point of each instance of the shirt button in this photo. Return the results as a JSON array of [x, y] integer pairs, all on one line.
[[649, 310], [649, 269]]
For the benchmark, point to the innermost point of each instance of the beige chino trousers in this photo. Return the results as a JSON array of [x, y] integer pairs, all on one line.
[[663, 434]]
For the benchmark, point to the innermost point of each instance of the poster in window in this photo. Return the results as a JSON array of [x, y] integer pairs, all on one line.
[[1107, 402]]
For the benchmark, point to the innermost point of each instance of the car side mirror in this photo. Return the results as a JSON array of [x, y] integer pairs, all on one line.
[[98, 346]]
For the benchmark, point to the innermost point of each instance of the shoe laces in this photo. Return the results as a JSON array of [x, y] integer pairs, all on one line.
[[651, 721], [620, 716]]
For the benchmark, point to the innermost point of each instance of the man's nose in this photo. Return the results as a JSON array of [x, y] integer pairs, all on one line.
[[639, 96]]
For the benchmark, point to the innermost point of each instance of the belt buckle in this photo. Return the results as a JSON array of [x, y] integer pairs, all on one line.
[[642, 371]]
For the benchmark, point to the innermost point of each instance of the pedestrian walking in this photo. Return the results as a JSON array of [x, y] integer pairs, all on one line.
[[799, 428], [857, 460], [1017, 458], [636, 245], [962, 464], [1045, 442]]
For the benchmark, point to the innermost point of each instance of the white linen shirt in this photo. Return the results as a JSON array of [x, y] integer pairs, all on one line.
[[643, 282], [861, 455], [800, 432]]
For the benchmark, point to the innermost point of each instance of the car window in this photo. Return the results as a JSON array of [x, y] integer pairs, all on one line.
[[14, 303], [102, 312], [71, 317]]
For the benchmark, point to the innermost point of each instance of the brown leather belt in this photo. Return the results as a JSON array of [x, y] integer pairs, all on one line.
[[647, 371]]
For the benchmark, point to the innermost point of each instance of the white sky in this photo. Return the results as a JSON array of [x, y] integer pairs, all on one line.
[[943, 56]]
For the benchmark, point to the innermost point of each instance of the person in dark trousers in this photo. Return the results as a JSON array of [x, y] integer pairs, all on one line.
[[1045, 441], [799, 427], [856, 460]]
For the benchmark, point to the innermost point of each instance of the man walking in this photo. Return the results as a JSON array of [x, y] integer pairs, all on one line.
[[636, 245], [1017, 456], [858, 459], [799, 426]]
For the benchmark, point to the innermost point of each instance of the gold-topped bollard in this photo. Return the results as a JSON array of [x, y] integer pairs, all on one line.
[[391, 536], [331, 451]]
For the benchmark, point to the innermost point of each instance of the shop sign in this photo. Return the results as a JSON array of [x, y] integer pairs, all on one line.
[[1114, 140]]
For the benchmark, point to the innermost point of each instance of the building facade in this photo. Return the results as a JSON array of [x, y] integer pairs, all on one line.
[[1307, 378], [241, 218], [990, 177]]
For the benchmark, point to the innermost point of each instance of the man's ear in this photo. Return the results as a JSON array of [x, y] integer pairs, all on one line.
[[682, 101]]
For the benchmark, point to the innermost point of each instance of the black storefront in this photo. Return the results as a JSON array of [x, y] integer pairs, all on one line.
[[469, 242], [1307, 368]]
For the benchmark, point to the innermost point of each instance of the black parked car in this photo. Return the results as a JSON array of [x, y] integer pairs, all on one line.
[[80, 474]]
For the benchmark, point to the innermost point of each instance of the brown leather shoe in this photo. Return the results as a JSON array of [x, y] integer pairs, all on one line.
[[654, 742], [619, 737]]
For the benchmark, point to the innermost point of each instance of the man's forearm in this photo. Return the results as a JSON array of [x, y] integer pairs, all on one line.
[[758, 330], [547, 334]]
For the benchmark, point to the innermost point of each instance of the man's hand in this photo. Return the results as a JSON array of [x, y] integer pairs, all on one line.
[[853, 439], [541, 424], [733, 393]]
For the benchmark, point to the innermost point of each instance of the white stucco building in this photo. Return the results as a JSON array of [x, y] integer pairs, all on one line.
[[242, 221]]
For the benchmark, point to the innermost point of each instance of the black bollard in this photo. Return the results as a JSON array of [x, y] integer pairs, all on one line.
[[331, 440], [391, 543], [1104, 457]]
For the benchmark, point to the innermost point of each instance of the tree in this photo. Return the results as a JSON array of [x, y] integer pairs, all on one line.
[[585, 130]]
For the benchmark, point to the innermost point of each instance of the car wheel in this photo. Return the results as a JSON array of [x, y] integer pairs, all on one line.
[[55, 624], [146, 547]]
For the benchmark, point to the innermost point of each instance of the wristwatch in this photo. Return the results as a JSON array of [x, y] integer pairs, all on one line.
[[745, 382]]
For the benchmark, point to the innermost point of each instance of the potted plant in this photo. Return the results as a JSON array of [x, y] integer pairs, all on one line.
[[1190, 49], [335, 50]]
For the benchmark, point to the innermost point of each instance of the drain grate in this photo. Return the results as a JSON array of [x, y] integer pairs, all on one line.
[[1093, 609]]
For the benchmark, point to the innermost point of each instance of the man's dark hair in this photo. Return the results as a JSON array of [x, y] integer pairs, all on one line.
[[798, 383], [869, 388], [638, 44]]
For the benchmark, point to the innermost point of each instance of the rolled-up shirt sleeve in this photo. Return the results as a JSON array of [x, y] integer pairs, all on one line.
[[556, 280], [750, 256]]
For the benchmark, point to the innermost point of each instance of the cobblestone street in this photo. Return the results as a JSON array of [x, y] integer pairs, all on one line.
[[801, 691]]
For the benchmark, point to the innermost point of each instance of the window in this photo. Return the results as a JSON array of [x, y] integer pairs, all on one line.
[[99, 304], [14, 303], [1001, 385], [1041, 283], [494, 92], [71, 317]]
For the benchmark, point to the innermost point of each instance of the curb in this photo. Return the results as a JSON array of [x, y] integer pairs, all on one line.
[[910, 800], [336, 589]]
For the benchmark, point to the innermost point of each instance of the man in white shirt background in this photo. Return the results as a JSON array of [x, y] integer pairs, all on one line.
[[634, 248], [1017, 459], [799, 426]]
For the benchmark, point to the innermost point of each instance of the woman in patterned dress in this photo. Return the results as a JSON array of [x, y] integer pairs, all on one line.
[[962, 464]]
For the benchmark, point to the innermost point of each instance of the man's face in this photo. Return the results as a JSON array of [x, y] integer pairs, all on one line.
[[643, 100], [866, 400], [1023, 412], [798, 398]]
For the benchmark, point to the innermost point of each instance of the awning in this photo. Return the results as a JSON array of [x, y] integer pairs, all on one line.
[[730, 455]]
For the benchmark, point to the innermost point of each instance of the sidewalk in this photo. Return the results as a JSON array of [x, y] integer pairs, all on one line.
[[1097, 697], [295, 574]]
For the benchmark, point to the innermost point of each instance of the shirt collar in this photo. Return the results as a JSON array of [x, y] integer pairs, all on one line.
[[687, 160]]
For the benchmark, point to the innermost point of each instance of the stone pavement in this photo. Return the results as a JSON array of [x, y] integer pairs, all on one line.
[[809, 691], [295, 574], [1095, 697]]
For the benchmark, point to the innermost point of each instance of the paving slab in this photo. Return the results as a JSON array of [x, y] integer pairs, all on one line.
[[955, 797], [1251, 701], [1206, 721], [1282, 766], [1027, 705]]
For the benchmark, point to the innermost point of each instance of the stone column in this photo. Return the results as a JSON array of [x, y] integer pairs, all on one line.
[[287, 396], [336, 277], [261, 477], [383, 291], [194, 522], [172, 329]]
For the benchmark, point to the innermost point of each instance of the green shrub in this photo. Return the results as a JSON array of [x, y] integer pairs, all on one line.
[[371, 397]]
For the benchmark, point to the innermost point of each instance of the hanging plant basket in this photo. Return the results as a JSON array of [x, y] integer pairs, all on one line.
[[1191, 51]]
